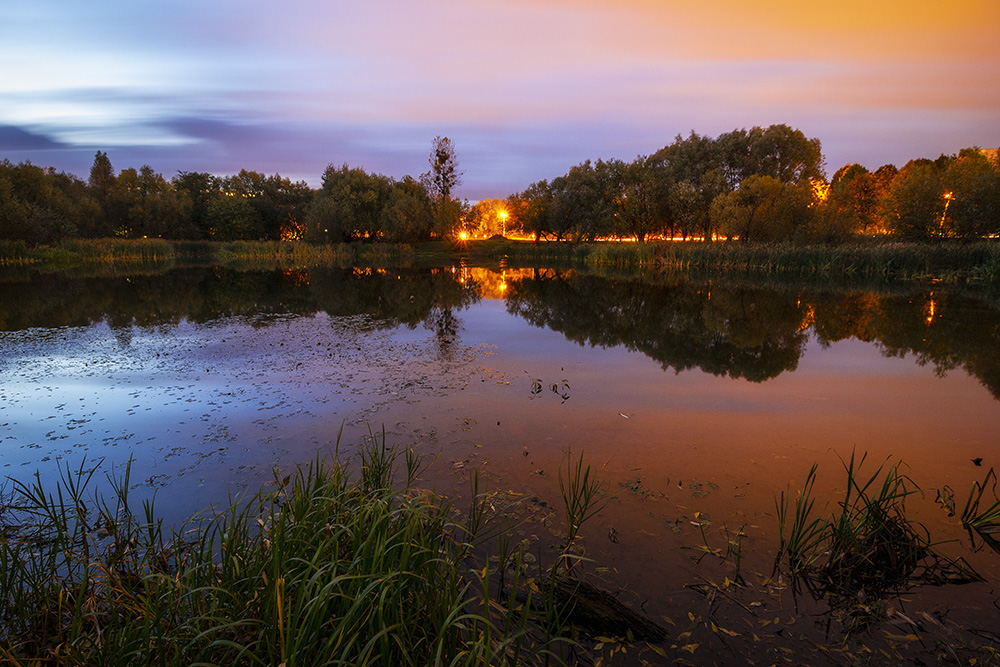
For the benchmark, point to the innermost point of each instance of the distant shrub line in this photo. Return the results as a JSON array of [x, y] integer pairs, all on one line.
[[156, 251], [953, 262]]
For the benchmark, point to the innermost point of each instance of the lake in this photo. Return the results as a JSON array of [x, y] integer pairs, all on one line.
[[696, 401]]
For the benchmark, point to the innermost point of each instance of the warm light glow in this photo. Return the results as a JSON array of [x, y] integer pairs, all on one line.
[[820, 190], [944, 215], [930, 308], [463, 236]]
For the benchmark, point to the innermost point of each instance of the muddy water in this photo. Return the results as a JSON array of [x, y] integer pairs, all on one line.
[[695, 401]]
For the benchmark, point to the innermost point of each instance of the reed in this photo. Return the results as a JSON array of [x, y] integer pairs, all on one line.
[[322, 567], [583, 497], [942, 262], [983, 521], [867, 548]]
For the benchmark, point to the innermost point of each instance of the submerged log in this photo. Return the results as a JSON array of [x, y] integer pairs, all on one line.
[[598, 613]]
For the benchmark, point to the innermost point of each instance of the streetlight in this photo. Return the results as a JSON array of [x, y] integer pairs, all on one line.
[[503, 223], [947, 201]]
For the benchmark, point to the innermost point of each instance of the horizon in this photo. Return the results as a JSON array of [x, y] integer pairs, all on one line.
[[525, 90]]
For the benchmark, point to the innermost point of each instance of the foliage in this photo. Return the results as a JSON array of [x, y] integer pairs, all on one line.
[[669, 192], [322, 568], [444, 175], [354, 205], [984, 522], [581, 496], [867, 548], [763, 209]]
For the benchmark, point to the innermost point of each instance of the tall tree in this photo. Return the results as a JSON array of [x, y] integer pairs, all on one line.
[[442, 178], [444, 175], [102, 176]]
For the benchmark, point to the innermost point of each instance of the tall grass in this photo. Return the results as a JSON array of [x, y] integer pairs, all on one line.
[[323, 567], [866, 548], [947, 262], [583, 497], [984, 521]]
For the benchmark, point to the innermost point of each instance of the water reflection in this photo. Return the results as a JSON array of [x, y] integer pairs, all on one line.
[[755, 332], [747, 331], [389, 298]]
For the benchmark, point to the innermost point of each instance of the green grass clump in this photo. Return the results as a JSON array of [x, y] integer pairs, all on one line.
[[324, 567], [983, 521], [867, 548]]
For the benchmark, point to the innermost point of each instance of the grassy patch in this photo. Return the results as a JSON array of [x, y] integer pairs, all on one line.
[[866, 549], [323, 567]]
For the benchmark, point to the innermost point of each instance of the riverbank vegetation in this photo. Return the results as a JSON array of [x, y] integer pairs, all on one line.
[[324, 566], [758, 185], [349, 562], [882, 260]]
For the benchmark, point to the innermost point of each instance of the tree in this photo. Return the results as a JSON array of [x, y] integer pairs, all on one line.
[[201, 189], [348, 206], [102, 176], [851, 204], [783, 153], [489, 217], [233, 218], [914, 205], [638, 198], [764, 209], [444, 175], [39, 205], [974, 205], [580, 203], [442, 178], [407, 214], [101, 183], [530, 208]]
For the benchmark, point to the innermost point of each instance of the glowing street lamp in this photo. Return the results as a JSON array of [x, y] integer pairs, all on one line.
[[503, 223], [947, 200]]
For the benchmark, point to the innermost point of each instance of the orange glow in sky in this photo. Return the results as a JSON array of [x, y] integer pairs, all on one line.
[[525, 88]]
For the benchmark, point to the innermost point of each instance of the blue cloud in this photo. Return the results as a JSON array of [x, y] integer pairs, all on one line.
[[13, 138]]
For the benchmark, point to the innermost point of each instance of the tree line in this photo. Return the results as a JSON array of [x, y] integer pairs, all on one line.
[[761, 184], [41, 206]]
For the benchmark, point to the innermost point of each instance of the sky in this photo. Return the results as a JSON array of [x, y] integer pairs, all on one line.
[[524, 88]]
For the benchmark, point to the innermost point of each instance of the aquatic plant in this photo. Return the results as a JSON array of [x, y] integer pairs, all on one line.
[[319, 568], [583, 497], [985, 522], [867, 548]]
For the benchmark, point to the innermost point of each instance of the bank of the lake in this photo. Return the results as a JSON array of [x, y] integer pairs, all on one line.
[[945, 261]]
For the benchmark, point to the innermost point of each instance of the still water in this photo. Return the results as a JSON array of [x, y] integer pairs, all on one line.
[[696, 401]]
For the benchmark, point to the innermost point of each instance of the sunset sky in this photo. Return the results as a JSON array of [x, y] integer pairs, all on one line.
[[524, 88]]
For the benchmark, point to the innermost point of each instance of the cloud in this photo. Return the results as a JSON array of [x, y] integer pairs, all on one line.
[[14, 138]]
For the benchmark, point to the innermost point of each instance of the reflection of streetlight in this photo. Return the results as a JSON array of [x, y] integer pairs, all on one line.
[[503, 223]]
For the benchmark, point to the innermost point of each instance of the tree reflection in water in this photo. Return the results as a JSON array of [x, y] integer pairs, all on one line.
[[757, 332], [724, 327]]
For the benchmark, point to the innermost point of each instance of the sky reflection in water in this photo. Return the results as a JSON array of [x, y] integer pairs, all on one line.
[[710, 396]]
